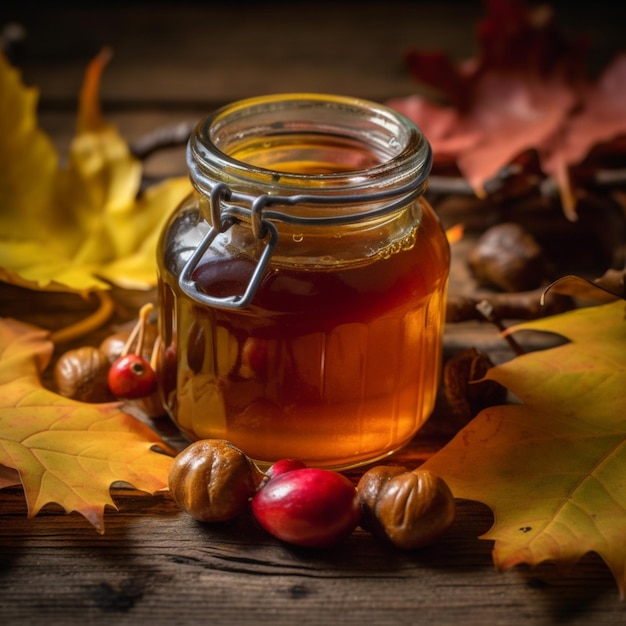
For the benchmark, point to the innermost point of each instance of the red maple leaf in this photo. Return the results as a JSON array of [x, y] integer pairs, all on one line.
[[600, 119], [525, 89]]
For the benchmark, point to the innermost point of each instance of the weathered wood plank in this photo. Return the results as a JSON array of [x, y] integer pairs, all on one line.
[[155, 564]]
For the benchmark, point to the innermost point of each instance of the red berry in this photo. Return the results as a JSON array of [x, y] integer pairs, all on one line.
[[283, 466], [308, 507], [131, 376]]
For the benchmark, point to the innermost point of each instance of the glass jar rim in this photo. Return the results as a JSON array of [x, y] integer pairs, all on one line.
[[403, 151]]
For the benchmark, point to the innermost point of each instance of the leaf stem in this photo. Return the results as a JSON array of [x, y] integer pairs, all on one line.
[[88, 324]]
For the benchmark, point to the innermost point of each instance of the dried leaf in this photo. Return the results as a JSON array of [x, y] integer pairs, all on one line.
[[601, 117], [551, 468], [608, 288], [524, 91], [67, 452], [83, 226]]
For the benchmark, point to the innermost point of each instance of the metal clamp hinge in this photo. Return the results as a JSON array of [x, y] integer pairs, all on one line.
[[266, 230]]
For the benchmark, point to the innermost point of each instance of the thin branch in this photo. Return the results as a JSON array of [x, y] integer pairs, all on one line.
[[97, 319], [485, 308], [547, 187], [171, 136]]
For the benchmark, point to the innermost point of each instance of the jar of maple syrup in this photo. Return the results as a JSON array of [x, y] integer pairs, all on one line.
[[302, 285]]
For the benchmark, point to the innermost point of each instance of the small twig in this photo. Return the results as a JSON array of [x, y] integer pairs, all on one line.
[[138, 329], [144, 312], [485, 308], [521, 305], [154, 357], [450, 185], [547, 187], [88, 324], [609, 178], [165, 137]]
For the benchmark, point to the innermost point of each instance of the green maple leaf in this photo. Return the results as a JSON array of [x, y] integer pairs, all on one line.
[[553, 468]]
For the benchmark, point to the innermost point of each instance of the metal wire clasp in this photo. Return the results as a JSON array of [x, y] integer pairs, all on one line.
[[229, 207], [221, 222]]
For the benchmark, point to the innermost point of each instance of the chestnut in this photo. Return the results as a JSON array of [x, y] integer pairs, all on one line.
[[410, 509], [212, 480], [81, 374]]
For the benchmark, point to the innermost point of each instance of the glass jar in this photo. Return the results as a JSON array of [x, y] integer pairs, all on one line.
[[302, 285]]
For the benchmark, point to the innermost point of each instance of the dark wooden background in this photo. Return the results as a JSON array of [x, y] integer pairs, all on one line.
[[173, 62]]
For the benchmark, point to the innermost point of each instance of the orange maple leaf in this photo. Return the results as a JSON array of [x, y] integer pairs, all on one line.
[[552, 467], [64, 451]]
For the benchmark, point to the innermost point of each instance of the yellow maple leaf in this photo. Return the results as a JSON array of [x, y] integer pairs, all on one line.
[[85, 225], [64, 451], [552, 467]]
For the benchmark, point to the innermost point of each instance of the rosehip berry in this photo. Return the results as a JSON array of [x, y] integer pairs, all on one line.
[[307, 507], [283, 466], [131, 376]]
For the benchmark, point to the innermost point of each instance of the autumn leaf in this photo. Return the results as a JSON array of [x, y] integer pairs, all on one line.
[[8, 477], [27, 182], [552, 467], [599, 119], [85, 225], [608, 288], [67, 452], [525, 90]]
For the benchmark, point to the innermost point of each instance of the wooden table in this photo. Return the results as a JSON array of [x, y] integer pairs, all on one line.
[[153, 564]]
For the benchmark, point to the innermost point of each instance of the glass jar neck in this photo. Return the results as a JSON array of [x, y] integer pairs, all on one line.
[[307, 160], [305, 179]]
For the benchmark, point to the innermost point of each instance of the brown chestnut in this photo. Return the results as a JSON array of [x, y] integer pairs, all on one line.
[[81, 374], [410, 509], [212, 480], [508, 257]]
